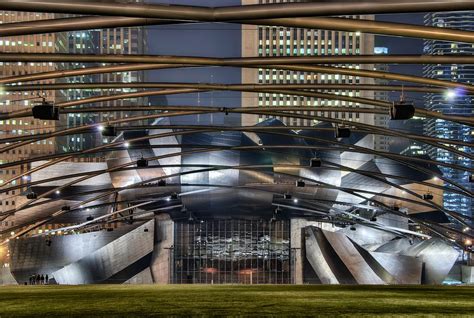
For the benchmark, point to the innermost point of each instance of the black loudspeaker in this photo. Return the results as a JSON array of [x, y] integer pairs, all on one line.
[[352, 228], [45, 111], [109, 131], [142, 163], [31, 195], [428, 196], [162, 183], [471, 178], [343, 132], [89, 218], [300, 184], [66, 208], [315, 162], [287, 196], [174, 196], [373, 219], [402, 111]]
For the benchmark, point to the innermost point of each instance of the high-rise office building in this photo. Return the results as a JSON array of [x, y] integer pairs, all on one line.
[[282, 41], [452, 102], [14, 101], [112, 41]]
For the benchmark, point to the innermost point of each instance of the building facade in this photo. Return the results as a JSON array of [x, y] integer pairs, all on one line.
[[452, 102], [281, 41]]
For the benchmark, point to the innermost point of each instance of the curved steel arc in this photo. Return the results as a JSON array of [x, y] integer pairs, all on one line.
[[25, 139], [302, 68], [334, 23], [206, 86], [338, 168], [400, 158], [452, 214], [247, 12], [243, 61], [329, 96], [372, 129], [319, 184], [351, 148]]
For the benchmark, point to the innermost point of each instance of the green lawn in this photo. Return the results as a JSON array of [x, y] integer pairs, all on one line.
[[235, 300]]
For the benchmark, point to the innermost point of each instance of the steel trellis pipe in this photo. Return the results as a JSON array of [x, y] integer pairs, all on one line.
[[243, 61], [222, 14], [337, 24]]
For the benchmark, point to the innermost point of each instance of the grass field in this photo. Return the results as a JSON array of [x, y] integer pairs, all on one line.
[[234, 300]]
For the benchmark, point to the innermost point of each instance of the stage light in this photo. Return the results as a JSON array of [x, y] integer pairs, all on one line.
[[57, 192], [402, 111], [300, 184], [45, 111], [427, 196], [342, 132], [100, 128], [168, 199], [31, 195], [109, 131], [295, 200], [315, 163], [142, 163], [126, 145]]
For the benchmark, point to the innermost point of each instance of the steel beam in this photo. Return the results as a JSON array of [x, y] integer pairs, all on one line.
[[241, 62], [336, 24], [223, 14]]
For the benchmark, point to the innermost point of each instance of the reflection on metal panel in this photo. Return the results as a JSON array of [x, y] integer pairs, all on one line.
[[110, 259]]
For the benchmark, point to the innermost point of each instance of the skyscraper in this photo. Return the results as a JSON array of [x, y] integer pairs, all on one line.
[[452, 102], [281, 41], [14, 101]]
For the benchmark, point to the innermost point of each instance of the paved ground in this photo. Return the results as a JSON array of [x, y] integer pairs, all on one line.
[[235, 300]]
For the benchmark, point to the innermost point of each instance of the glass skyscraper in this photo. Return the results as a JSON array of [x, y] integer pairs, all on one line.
[[452, 102]]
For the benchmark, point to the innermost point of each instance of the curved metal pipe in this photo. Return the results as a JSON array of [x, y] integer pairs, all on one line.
[[439, 143], [339, 168], [465, 120], [453, 214], [222, 14], [337, 24], [399, 158], [319, 183], [259, 111], [207, 86], [243, 61]]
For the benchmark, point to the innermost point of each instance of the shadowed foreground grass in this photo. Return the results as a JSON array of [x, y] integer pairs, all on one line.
[[233, 300]]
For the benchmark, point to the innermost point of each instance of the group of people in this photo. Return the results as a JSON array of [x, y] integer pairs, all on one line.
[[39, 279]]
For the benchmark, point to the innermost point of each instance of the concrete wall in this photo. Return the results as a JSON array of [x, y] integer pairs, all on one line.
[[164, 237]]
